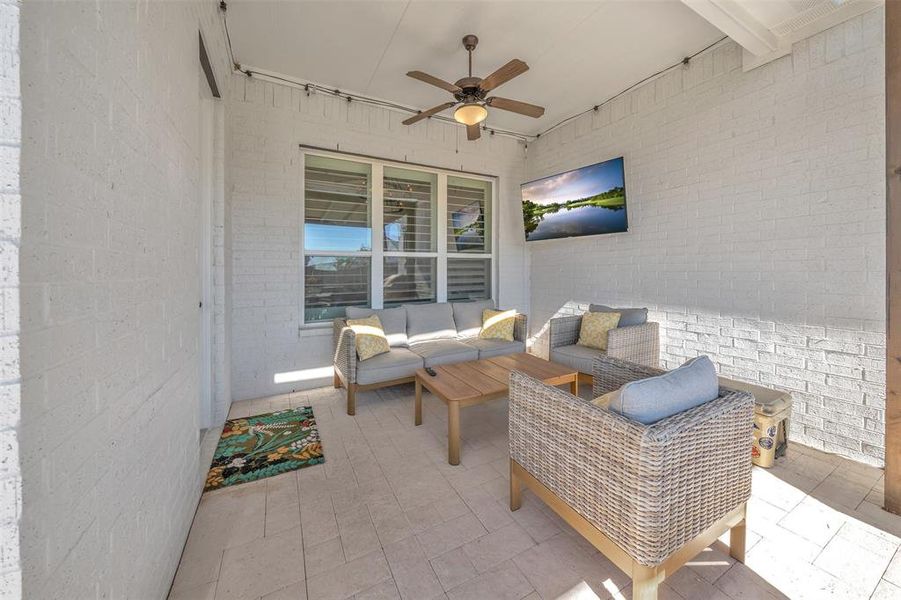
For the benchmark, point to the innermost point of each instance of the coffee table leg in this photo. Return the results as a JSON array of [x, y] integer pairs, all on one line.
[[453, 433], [574, 386], [418, 404]]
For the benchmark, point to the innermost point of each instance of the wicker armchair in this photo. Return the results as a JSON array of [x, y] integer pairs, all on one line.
[[649, 497], [638, 344]]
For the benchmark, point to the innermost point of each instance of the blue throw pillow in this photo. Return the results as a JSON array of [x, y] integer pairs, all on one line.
[[650, 400]]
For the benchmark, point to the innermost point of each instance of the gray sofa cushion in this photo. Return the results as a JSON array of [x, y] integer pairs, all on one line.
[[468, 317], [650, 400], [577, 357], [442, 352], [394, 322], [627, 316], [430, 322], [397, 363], [489, 348]]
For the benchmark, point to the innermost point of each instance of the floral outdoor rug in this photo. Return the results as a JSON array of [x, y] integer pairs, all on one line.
[[263, 446]]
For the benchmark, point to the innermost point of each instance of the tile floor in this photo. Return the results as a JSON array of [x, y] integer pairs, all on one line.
[[386, 517]]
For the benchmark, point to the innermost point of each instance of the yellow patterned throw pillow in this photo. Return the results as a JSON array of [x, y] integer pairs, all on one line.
[[497, 324], [595, 327], [370, 335]]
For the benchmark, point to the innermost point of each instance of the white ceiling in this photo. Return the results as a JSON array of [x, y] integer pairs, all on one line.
[[579, 53]]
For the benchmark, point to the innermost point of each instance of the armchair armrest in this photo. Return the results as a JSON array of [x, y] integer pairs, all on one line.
[[637, 343], [345, 350], [610, 374], [563, 331], [521, 328], [650, 489]]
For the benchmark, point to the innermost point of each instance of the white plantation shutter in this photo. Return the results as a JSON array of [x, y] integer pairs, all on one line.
[[468, 215], [371, 235], [337, 209], [410, 200], [409, 279], [468, 279], [332, 283]]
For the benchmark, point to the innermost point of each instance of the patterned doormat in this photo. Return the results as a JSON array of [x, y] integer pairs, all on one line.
[[263, 446]]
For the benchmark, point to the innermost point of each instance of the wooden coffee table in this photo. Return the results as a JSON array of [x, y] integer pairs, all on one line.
[[464, 384]]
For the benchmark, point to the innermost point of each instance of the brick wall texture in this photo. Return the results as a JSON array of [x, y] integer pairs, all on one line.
[[10, 234], [110, 288], [757, 224], [265, 124]]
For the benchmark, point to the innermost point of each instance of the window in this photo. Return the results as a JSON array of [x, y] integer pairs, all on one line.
[[380, 235], [337, 237]]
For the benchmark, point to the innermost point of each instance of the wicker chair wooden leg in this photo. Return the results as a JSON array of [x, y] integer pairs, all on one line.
[[351, 399], [737, 539], [337, 381], [515, 489], [644, 582]]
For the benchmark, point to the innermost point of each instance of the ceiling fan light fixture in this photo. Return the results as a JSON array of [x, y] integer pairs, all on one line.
[[470, 114]]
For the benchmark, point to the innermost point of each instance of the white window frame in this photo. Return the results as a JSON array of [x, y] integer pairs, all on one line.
[[378, 253]]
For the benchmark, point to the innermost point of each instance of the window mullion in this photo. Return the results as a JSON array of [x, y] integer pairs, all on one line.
[[378, 232], [441, 230]]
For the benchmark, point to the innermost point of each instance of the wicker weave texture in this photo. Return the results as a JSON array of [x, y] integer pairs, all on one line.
[[650, 489], [521, 328], [637, 343], [611, 374], [564, 331], [345, 343]]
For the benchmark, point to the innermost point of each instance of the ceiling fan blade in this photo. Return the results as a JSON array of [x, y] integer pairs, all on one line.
[[473, 132], [510, 70], [430, 79], [523, 108], [428, 113]]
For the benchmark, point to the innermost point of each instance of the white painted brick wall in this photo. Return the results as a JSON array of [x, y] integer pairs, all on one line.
[[10, 234], [757, 225], [265, 125], [110, 285]]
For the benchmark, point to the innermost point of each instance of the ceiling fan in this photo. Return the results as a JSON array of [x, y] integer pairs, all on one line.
[[471, 93]]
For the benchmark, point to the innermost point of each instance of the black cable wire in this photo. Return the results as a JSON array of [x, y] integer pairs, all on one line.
[[392, 105], [682, 62], [348, 96]]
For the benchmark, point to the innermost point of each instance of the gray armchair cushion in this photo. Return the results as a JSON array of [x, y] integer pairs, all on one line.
[[430, 322], [490, 348], [650, 400], [468, 317], [397, 363], [578, 357], [628, 316], [394, 322], [441, 352]]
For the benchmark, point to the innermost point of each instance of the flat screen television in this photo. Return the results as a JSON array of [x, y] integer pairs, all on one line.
[[586, 201]]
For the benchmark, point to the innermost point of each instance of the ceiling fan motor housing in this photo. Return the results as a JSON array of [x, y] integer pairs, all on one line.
[[470, 91]]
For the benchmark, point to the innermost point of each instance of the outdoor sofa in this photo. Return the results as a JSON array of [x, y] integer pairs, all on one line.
[[420, 335]]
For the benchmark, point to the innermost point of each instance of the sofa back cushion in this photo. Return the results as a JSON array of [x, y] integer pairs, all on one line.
[[627, 316], [650, 400], [430, 322], [394, 322], [468, 317]]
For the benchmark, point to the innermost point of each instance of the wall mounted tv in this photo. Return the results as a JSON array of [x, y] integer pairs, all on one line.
[[586, 201]]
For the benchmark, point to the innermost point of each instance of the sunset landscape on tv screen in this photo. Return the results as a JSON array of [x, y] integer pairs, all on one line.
[[586, 201]]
